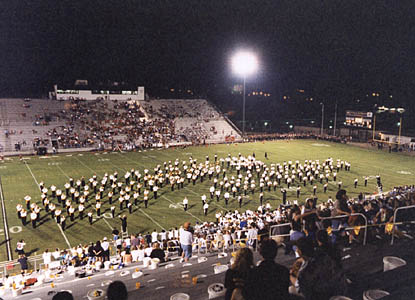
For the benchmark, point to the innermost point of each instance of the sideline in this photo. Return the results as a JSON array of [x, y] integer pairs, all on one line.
[[6, 226]]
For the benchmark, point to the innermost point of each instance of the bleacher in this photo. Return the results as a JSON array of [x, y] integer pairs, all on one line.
[[363, 265], [92, 123]]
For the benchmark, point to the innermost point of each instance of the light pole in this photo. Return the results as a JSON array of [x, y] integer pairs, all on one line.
[[322, 119], [244, 63], [335, 119]]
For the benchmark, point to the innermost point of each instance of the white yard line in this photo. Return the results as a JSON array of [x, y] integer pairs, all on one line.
[[37, 183], [154, 221], [185, 211], [109, 225], [60, 169], [129, 159], [6, 227], [118, 167], [84, 164]]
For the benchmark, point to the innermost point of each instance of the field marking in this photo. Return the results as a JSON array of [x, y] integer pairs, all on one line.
[[109, 225], [133, 161], [118, 167], [82, 163], [404, 172], [6, 227], [320, 145], [16, 229], [185, 211], [62, 171], [154, 221], [37, 184], [213, 201]]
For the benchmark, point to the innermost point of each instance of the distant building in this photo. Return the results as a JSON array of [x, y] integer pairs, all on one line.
[[81, 90]]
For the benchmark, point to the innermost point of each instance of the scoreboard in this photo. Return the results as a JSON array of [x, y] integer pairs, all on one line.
[[359, 119]]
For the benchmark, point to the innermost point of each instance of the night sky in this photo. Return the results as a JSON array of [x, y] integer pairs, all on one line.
[[334, 50]]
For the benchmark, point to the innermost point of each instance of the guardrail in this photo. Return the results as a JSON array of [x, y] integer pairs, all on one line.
[[351, 228], [398, 223], [271, 235], [279, 235]]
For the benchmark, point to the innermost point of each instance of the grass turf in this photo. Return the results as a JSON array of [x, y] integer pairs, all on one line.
[[20, 179]]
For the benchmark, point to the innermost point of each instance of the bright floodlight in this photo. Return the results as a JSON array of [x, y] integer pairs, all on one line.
[[244, 63]]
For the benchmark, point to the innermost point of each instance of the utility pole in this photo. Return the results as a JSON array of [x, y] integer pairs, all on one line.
[[335, 118]]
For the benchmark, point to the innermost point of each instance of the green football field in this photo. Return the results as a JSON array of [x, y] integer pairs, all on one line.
[[20, 179]]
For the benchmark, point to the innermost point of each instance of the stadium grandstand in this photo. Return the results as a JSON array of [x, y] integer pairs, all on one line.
[[336, 231], [31, 124]]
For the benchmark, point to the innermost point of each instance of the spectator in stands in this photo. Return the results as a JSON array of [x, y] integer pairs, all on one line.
[[186, 241], [158, 253], [98, 251], [126, 257], [340, 208], [47, 258], [117, 291], [295, 234], [316, 275], [106, 251], [272, 280], [23, 263], [239, 279], [63, 296], [324, 246]]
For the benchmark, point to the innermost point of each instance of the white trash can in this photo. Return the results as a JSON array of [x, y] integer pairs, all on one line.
[[216, 290], [180, 296], [392, 262], [96, 294], [374, 294], [107, 265]]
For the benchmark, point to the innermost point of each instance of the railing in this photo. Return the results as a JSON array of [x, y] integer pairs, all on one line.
[[398, 223], [271, 235], [351, 228], [279, 235]]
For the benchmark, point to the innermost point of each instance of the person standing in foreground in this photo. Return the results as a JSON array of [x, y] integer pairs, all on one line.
[[272, 279], [186, 241], [239, 278]]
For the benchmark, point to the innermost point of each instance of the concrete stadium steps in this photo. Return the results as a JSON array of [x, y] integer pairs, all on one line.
[[196, 119], [364, 268]]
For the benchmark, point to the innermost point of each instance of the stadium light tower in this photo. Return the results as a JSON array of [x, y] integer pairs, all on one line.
[[322, 119], [244, 63]]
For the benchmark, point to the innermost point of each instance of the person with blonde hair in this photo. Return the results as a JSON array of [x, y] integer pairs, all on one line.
[[240, 277]]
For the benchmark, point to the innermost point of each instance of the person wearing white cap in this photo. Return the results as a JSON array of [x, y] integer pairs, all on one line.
[[105, 246], [33, 217], [27, 199]]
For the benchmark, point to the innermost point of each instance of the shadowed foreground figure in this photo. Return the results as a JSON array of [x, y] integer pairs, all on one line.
[[63, 296], [117, 291]]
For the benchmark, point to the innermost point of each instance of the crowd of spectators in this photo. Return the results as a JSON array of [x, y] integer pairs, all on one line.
[[119, 124], [295, 136], [317, 272]]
